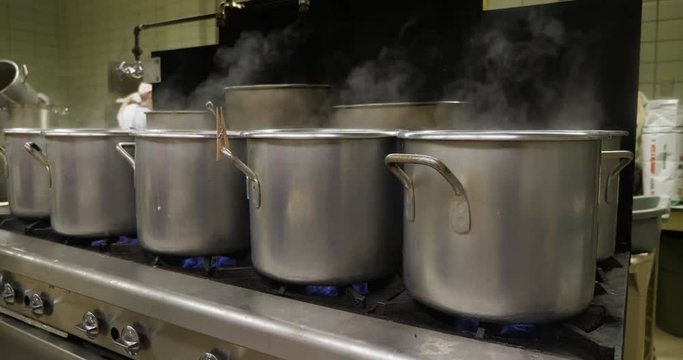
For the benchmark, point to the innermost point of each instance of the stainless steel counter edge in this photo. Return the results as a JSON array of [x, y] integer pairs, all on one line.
[[273, 325]]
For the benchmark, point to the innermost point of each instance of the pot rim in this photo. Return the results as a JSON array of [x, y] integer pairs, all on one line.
[[85, 132], [515, 135], [182, 134], [398, 104], [319, 133], [23, 131], [275, 86], [188, 112]]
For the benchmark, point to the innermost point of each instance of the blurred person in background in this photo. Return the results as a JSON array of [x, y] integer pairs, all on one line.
[[131, 114]]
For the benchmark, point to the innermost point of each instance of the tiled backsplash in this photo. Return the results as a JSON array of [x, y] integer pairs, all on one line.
[[661, 48]]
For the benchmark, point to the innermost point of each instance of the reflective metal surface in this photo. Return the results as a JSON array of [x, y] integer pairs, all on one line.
[[92, 190], [608, 202], [283, 106], [187, 202], [19, 341], [183, 313], [28, 190], [407, 116], [529, 253], [180, 120], [323, 209]]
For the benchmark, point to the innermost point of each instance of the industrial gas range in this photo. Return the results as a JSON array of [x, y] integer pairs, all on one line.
[[108, 299]]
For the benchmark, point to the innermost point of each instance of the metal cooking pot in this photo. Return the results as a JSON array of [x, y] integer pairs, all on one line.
[[36, 116], [608, 202], [187, 202], [322, 208], [14, 89], [285, 106], [27, 183], [92, 190], [407, 115], [500, 225], [180, 120]]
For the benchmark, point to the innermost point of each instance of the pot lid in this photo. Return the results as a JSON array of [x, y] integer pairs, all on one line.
[[397, 104], [23, 131], [83, 132], [520, 135], [312, 134], [183, 134], [276, 86]]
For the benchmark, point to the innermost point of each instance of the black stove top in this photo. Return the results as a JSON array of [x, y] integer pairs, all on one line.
[[594, 334]]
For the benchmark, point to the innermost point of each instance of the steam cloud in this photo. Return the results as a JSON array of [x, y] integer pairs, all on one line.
[[517, 82], [389, 78]]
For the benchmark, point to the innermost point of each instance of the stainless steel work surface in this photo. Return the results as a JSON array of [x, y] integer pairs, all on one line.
[[265, 323]]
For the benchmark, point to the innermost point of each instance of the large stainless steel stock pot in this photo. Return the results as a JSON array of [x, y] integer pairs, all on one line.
[[187, 202], [391, 116], [500, 225], [180, 120], [282, 106], [323, 209], [28, 191], [91, 187]]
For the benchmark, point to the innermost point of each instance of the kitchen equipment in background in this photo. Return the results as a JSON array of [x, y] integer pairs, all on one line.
[[499, 225], [323, 209], [662, 152], [14, 89], [36, 116], [284, 106], [180, 120], [91, 186], [28, 192], [608, 201], [187, 203], [646, 226], [391, 116]]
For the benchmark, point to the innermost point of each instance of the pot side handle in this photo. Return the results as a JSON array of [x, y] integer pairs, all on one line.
[[625, 158], [3, 153], [462, 223], [121, 148], [38, 154], [253, 182]]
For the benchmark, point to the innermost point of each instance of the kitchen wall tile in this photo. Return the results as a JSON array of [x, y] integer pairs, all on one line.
[[670, 9], [647, 52], [670, 50], [648, 89], [648, 31], [649, 11], [668, 70], [670, 30], [646, 73]]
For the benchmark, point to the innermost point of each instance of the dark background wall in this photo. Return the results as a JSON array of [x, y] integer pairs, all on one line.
[[566, 65]]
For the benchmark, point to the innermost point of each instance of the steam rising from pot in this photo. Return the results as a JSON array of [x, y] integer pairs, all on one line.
[[515, 79]]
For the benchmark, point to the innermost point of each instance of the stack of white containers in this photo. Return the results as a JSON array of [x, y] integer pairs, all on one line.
[[662, 149]]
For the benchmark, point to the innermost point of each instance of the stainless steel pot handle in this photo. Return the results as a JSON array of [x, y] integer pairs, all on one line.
[[461, 205], [121, 148], [625, 158], [253, 183], [39, 155], [3, 153]]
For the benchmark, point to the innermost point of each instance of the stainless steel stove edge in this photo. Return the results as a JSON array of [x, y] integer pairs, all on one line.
[[264, 323]]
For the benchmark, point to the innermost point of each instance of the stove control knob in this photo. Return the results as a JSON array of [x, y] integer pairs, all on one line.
[[8, 293], [208, 356], [129, 340], [37, 304], [90, 325]]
